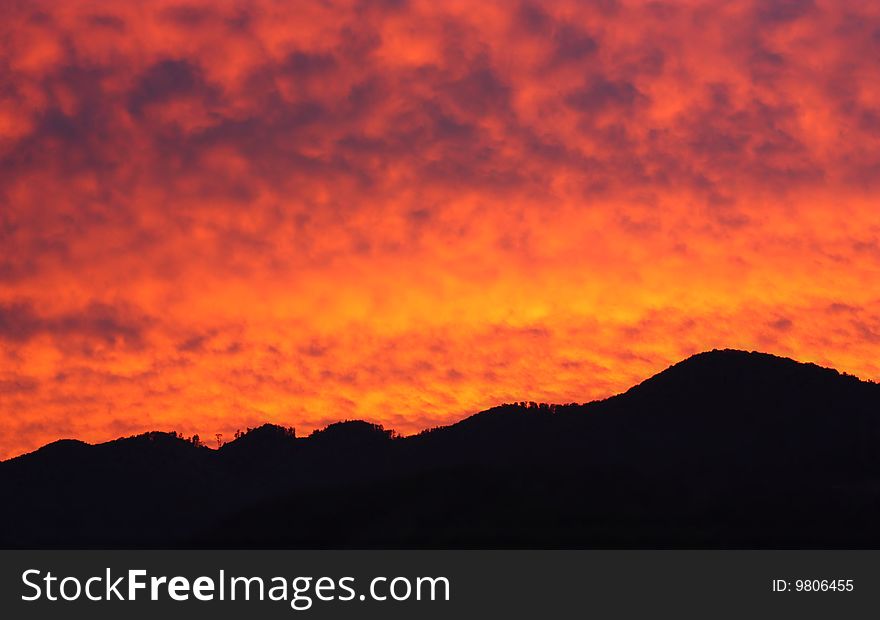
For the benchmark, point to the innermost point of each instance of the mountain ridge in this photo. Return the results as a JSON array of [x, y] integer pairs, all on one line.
[[724, 449], [714, 354]]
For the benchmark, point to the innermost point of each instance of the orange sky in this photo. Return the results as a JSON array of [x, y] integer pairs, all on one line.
[[218, 214]]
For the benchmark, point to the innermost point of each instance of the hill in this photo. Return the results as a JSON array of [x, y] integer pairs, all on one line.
[[724, 449]]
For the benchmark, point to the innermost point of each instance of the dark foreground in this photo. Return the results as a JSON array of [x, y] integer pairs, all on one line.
[[724, 450]]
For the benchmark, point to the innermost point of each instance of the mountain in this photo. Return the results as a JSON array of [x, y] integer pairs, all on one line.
[[726, 449]]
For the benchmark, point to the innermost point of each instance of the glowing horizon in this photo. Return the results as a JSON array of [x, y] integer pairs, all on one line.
[[219, 214]]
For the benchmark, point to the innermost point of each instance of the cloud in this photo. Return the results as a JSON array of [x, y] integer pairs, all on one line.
[[163, 82], [213, 215], [19, 322]]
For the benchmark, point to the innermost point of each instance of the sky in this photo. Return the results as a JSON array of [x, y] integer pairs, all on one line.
[[219, 214]]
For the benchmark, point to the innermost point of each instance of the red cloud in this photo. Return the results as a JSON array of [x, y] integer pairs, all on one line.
[[216, 214]]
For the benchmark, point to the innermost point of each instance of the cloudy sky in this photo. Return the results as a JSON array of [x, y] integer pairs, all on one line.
[[218, 214]]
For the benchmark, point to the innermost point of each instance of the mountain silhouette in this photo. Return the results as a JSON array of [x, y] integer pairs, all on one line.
[[726, 449]]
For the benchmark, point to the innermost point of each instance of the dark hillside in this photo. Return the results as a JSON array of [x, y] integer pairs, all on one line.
[[724, 449]]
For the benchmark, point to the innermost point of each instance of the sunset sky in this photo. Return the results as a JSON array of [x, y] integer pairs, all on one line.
[[218, 214]]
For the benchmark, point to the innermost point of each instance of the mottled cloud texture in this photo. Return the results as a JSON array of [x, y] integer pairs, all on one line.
[[217, 214]]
